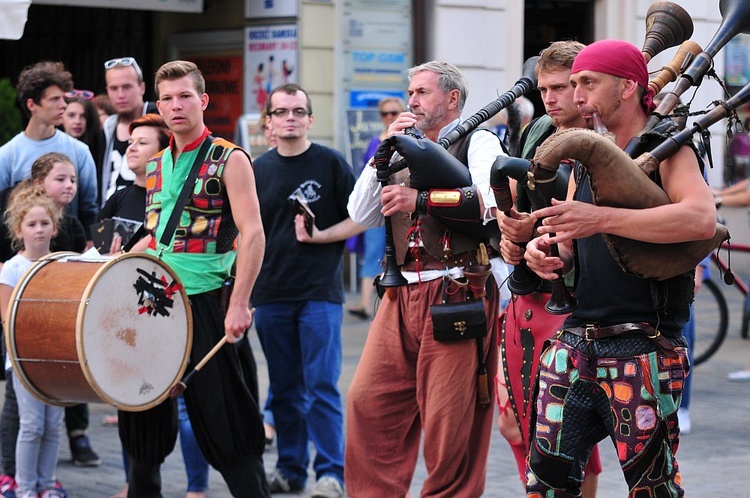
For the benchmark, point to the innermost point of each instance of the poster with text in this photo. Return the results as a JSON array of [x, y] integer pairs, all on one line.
[[270, 60], [223, 75]]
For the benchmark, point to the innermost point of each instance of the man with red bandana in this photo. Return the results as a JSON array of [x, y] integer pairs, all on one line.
[[608, 372]]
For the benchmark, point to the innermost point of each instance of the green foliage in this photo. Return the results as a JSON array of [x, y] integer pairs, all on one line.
[[11, 121]]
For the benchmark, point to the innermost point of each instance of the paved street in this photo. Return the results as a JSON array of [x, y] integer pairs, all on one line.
[[714, 458]]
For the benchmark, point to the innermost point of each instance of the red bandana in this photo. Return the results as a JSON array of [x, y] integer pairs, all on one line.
[[618, 58]]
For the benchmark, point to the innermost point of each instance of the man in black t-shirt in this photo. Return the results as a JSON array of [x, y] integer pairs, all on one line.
[[299, 293]]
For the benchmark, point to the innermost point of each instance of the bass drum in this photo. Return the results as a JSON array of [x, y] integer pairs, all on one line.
[[90, 330]]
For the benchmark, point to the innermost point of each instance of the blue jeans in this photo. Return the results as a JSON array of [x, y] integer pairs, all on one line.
[[196, 466], [38, 441], [302, 344], [267, 413], [374, 252]]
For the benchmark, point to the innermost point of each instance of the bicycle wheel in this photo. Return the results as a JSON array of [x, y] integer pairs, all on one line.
[[711, 321]]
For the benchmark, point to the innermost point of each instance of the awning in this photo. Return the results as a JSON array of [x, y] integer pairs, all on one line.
[[13, 19], [158, 5]]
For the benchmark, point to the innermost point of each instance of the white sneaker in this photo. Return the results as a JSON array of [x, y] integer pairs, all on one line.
[[683, 416], [739, 375], [327, 487]]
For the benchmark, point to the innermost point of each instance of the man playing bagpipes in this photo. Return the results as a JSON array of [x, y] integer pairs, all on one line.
[[414, 375], [617, 367]]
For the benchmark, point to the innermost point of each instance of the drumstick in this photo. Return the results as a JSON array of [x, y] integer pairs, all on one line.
[[180, 387]]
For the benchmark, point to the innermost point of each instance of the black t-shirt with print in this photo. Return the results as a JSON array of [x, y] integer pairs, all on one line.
[[293, 271]]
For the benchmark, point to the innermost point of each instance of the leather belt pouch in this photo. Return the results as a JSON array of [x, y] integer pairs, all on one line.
[[458, 321], [226, 293]]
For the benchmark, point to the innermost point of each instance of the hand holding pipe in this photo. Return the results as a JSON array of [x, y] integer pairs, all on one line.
[[522, 281]]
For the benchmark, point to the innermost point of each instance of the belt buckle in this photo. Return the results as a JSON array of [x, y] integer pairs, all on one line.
[[590, 328], [656, 334]]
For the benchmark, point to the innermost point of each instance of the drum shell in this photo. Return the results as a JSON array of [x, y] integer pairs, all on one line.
[[50, 336]]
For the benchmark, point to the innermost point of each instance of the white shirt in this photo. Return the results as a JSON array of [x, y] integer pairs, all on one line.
[[364, 202]]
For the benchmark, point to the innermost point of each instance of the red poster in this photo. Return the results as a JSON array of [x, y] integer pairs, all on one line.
[[223, 76]]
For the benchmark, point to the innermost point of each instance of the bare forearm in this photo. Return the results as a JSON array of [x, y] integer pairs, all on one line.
[[250, 250], [736, 199], [340, 231], [736, 188], [664, 224]]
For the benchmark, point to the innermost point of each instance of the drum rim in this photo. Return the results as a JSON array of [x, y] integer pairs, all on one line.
[[81, 315]]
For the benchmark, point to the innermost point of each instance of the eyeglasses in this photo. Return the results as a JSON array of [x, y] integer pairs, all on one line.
[[125, 62], [298, 112], [388, 113], [84, 94]]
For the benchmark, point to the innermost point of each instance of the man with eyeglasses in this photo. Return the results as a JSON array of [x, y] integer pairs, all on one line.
[[125, 88], [299, 294]]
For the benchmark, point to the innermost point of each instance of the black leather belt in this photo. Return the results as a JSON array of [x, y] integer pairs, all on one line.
[[594, 332], [429, 262]]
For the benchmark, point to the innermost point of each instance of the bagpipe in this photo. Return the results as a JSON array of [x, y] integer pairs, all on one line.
[[621, 178], [431, 165]]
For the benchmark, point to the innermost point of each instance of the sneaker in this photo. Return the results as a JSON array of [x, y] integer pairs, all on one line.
[[53, 493], [59, 487], [359, 313], [28, 494], [328, 487], [683, 416], [279, 483], [8, 487], [739, 375], [82, 454]]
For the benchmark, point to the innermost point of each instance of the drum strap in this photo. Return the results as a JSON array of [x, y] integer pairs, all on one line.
[[166, 236]]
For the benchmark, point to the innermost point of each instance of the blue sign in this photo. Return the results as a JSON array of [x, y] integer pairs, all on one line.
[[364, 99]]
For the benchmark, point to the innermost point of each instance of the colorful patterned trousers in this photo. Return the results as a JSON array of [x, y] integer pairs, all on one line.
[[625, 388]]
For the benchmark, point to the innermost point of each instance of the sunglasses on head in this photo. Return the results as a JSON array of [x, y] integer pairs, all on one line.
[[84, 94], [388, 113], [124, 62]]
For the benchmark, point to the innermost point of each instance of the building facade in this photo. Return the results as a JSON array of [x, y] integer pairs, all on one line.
[[346, 53]]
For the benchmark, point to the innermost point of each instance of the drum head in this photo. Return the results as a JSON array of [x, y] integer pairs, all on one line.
[[134, 332]]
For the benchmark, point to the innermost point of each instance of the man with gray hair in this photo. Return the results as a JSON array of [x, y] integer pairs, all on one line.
[[409, 380]]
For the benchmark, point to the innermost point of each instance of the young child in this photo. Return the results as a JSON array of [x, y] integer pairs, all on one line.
[[32, 219], [55, 175]]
